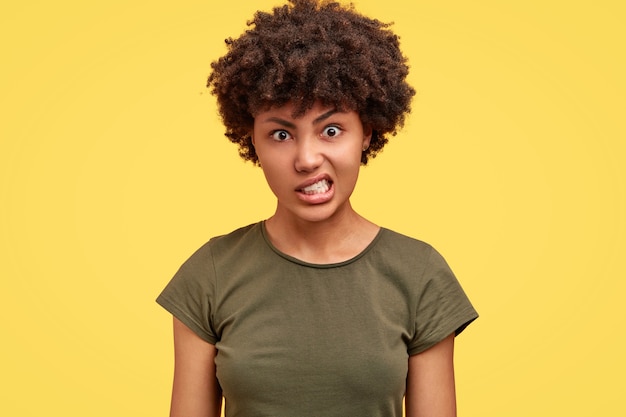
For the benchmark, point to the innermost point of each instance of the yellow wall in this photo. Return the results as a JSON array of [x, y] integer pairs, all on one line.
[[113, 169]]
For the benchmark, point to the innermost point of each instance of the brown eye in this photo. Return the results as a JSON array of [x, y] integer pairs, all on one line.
[[331, 131], [280, 135]]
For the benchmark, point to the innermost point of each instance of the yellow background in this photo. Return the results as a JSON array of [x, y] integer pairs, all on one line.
[[113, 169]]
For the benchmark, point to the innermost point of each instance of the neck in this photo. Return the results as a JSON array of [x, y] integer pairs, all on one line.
[[331, 240]]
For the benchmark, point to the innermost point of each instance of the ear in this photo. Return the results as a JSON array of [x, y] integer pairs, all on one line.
[[367, 137]]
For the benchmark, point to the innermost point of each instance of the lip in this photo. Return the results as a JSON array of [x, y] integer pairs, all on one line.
[[313, 180], [319, 198]]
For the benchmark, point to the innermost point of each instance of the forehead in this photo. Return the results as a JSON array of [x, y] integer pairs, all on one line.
[[297, 110]]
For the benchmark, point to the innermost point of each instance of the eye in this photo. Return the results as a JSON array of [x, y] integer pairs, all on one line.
[[280, 135], [331, 131]]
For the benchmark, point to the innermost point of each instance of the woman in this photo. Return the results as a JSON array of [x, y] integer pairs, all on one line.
[[315, 311]]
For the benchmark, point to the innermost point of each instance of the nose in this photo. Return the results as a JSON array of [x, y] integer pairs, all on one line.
[[308, 156]]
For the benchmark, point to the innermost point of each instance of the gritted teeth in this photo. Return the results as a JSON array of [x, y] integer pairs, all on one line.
[[318, 188]]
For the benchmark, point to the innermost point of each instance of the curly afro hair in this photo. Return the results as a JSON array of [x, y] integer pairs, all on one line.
[[310, 51]]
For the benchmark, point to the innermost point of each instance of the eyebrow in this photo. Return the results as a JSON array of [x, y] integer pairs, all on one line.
[[290, 125]]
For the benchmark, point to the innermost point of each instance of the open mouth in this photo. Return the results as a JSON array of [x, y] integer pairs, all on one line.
[[319, 187]]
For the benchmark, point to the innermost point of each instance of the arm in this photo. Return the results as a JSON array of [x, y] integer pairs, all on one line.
[[196, 392], [430, 382]]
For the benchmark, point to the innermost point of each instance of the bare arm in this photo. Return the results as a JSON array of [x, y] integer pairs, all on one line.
[[196, 392], [430, 383]]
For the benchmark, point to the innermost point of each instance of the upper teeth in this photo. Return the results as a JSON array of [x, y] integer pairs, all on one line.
[[317, 188]]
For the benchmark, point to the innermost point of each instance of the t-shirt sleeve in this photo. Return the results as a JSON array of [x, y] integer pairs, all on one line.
[[443, 307], [189, 295]]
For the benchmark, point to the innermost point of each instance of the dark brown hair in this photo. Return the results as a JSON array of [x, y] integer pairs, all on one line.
[[309, 51]]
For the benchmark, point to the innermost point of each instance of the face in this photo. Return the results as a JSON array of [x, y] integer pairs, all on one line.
[[312, 162]]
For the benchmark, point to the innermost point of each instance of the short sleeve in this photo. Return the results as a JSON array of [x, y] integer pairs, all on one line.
[[189, 296], [443, 307]]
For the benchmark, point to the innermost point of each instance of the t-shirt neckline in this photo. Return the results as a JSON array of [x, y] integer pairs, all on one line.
[[316, 265]]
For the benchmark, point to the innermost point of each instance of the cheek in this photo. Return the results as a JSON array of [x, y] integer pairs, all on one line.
[[349, 167], [273, 171], [272, 180], [352, 158]]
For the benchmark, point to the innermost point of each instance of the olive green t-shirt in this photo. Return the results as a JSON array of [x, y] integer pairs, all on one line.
[[301, 339]]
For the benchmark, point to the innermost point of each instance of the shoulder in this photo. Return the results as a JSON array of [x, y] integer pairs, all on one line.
[[241, 236], [232, 244], [410, 259], [398, 245]]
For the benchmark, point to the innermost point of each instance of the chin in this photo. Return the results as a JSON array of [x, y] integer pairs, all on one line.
[[319, 214]]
